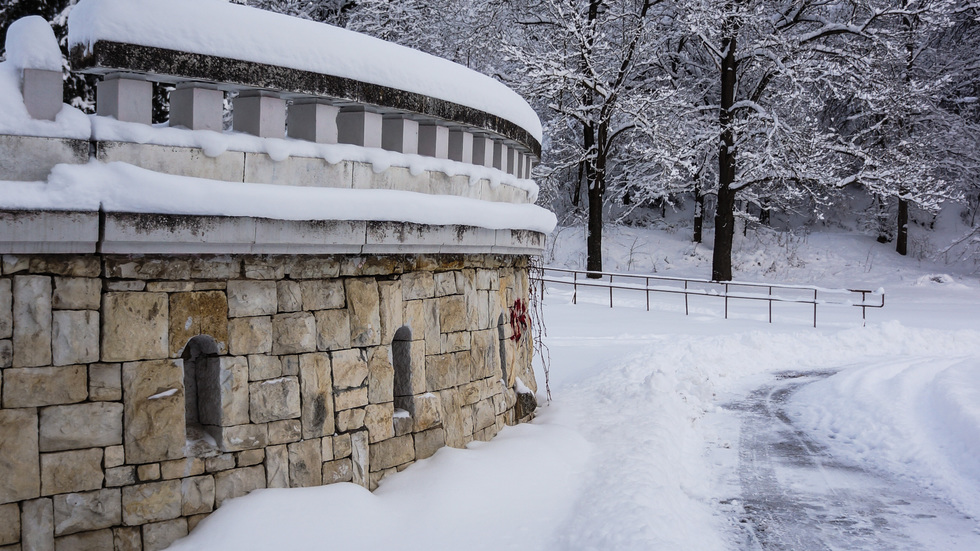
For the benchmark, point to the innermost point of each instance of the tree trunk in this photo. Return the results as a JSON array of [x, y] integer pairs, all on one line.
[[594, 240], [721, 260], [698, 213], [902, 238]]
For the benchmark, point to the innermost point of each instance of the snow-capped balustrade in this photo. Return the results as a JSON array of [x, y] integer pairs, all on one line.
[[276, 69]]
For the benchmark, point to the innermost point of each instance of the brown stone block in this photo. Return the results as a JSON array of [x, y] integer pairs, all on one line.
[[134, 326], [323, 294], [74, 471], [198, 313], [262, 367], [274, 400], [392, 452], [440, 372], [381, 376], [378, 421], [98, 540], [240, 437], [89, 425], [285, 431], [159, 535], [339, 470], [364, 303], [180, 468], [350, 399], [19, 455], [277, 467], [105, 382], [452, 314], [81, 512], [391, 309], [305, 464], [351, 419], [316, 389], [250, 335], [44, 386], [127, 538], [31, 321], [154, 411], [9, 524], [418, 285], [289, 296], [197, 495], [6, 309], [75, 293], [349, 367], [332, 330], [237, 482], [293, 333], [445, 283], [151, 502]]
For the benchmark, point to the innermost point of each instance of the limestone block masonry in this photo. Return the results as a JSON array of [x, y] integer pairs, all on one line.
[[139, 393]]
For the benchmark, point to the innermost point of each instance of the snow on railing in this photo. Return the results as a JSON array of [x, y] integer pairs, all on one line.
[[296, 78], [708, 288]]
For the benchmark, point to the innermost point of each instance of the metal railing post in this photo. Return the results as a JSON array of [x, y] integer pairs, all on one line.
[[814, 308], [687, 311], [726, 301], [770, 304], [574, 287], [648, 294], [610, 290]]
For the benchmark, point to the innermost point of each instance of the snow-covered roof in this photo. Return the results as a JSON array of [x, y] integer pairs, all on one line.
[[221, 29]]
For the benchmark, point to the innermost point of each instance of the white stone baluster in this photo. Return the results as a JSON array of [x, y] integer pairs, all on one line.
[[313, 120], [461, 146], [482, 150], [434, 141], [499, 155], [126, 97], [197, 106], [358, 126], [260, 113], [400, 133]]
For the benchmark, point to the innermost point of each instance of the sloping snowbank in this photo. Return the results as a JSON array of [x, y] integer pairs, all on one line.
[[120, 187], [501, 495], [219, 28], [915, 416]]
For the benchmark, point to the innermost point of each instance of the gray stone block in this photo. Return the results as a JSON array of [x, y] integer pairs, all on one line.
[[159, 535], [251, 298], [305, 464], [37, 525], [312, 120], [153, 411], [80, 512], [19, 454], [72, 471], [43, 386], [293, 333], [32, 321], [461, 146], [260, 113], [151, 502], [277, 467], [197, 106], [274, 400], [128, 98], [9, 524], [73, 293], [400, 134], [88, 425], [357, 126], [30, 159], [75, 337], [229, 166], [43, 91], [237, 482], [434, 141], [317, 395]]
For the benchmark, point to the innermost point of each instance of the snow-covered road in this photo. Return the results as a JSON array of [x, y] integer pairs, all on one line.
[[795, 494]]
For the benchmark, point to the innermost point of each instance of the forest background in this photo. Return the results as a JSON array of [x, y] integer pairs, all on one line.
[[786, 114]]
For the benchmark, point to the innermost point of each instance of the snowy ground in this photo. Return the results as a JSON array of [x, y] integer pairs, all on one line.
[[691, 432]]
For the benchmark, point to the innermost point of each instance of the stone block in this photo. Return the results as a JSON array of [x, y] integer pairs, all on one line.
[[431, 334], [418, 285], [262, 367], [290, 365], [452, 314], [81, 512], [440, 372], [75, 336], [67, 266], [357, 126], [197, 495], [240, 437], [364, 303], [127, 538], [453, 419], [159, 535], [148, 472], [274, 400], [428, 442], [89, 425], [402, 422], [305, 464], [341, 446], [247, 298], [134, 326], [340, 470], [381, 376], [351, 398], [6, 353], [332, 330], [425, 409], [391, 309], [221, 462], [6, 309], [105, 382], [360, 459], [323, 294], [445, 283], [463, 363], [19, 454], [154, 411], [289, 296], [250, 335], [74, 293], [485, 354], [170, 287], [392, 452], [120, 476], [277, 467], [85, 541], [455, 342], [260, 113], [248, 458], [72, 471], [263, 267], [198, 313], [378, 421], [285, 431], [126, 285], [293, 333], [114, 456], [350, 368], [180, 468], [32, 321], [222, 388], [413, 318], [313, 121], [37, 524], [351, 419], [483, 415], [197, 106], [43, 386], [9, 524], [237, 482], [317, 395], [152, 502]]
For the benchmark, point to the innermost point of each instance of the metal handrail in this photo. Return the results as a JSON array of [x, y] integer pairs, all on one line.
[[727, 294]]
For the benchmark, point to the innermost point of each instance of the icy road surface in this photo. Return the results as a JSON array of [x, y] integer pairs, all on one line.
[[794, 494]]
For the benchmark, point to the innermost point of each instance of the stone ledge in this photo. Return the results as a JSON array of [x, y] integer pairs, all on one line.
[[30, 159], [48, 232]]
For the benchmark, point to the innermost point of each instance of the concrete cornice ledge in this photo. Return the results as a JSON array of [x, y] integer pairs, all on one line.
[[55, 232]]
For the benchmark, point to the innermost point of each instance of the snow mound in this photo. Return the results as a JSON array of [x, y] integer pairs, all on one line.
[[31, 44], [219, 28], [938, 279]]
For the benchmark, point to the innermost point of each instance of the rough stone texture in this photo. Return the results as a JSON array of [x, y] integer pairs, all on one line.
[[114, 456], [37, 525], [120, 476], [179, 468], [483, 415], [526, 404], [339, 470], [241, 437], [105, 382], [19, 454], [43, 386], [6, 353], [425, 410], [250, 335], [350, 368], [154, 421], [285, 431], [197, 495], [440, 372], [332, 330], [134, 326], [32, 321], [274, 400], [381, 376], [322, 294], [160, 535], [364, 303], [9, 523], [445, 283], [94, 424], [360, 458], [317, 395], [151, 502], [252, 298], [341, 446], [6, 309], [224, 387], [391, 309], [277, 467], [452, 418], [74, 293], [221, 462], [262, 367], [351, 419], [416, 285], [452, 314], [85, 541], [75, 337], [72, 471], [198, 313], [305, 464], [378, 421], [350, 399], [126, 538], [237, 482], [402, 422], [248, 458], [294, 333], [148, 472], [392, 452], [289, 296], [80, 512]]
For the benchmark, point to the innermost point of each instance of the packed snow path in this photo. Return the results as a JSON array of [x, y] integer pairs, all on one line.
[[796, 495]]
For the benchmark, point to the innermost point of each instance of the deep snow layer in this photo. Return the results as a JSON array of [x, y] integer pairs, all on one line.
[[627, 454]]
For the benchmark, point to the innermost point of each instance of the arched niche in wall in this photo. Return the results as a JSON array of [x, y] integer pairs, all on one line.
[[202, 393], [502, 338], [401, 361]]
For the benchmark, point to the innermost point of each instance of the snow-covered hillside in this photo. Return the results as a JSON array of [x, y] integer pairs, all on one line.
[[639, 447]]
